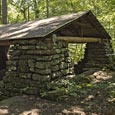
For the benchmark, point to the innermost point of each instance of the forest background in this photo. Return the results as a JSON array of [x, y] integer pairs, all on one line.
[[14, 11]]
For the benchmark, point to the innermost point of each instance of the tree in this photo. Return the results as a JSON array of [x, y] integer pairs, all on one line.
[[35, 2], [0, 12], [47, 8], [4, 11]]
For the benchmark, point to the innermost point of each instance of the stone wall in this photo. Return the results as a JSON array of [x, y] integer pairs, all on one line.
[[99, 55], [35, 66], [40, 66]]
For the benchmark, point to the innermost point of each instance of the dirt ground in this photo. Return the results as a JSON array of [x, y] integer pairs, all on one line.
[[96, 97]]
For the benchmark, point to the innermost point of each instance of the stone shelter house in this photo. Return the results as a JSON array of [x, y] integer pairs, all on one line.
[[34, 54]]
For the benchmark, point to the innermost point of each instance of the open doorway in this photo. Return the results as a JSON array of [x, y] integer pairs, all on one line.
[[77, 53], [3, 59], [92, 56]]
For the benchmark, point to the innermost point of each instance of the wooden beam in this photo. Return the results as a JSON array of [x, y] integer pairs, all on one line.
[[3, 43], [79, 39]]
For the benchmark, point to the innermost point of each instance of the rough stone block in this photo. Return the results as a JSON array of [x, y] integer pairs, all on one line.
[[25, 75], [40, 52], [63, 65], [40, 47], [35, 77], [44, 58], [58, 51], [56, 74], [14, 47], [65, 72], [15, 53], [31, 91], [11, 68], [32, 69], [55, 68], [55, 62], [11, 73], [43, 72], [27, 47], [14, 62], [59, 45], [23, 66], [31, 63], [35, 84], [56, 56], [43, 65], [45, 78]]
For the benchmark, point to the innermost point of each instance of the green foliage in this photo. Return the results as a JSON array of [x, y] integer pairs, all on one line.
[[77, 52], [82, 85], [102, 9]]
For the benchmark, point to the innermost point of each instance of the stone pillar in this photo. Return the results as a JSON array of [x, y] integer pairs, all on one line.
[[35, 64]]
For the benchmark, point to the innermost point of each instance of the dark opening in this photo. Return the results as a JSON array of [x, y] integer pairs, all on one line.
[[3, 59]]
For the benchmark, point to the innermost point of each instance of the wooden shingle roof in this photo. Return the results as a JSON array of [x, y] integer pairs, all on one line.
[[77, 24]]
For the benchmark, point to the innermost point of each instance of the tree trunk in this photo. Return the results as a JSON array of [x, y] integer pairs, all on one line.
[[47, 8], [0, 12], [4, 11], [36, 9]]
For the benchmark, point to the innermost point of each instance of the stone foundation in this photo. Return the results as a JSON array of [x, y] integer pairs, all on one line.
[[34, 65]]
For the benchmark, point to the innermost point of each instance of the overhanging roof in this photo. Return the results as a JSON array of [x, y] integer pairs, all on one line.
[[81, 24]]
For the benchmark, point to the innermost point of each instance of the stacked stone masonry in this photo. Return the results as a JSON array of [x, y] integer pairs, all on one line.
[[98, 55], [34, 64]]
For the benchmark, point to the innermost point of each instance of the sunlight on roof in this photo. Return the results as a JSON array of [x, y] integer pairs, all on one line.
[[63, 17]]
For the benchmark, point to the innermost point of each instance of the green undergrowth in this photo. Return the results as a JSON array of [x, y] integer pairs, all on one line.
[[94, 93], [81, 86]]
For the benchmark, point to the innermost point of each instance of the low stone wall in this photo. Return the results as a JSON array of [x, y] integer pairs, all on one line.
[[35, 65]]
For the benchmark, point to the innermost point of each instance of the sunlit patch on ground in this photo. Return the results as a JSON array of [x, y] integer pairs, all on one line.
[[75, 110], [31, 112], [100, 76], [3, 111]]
